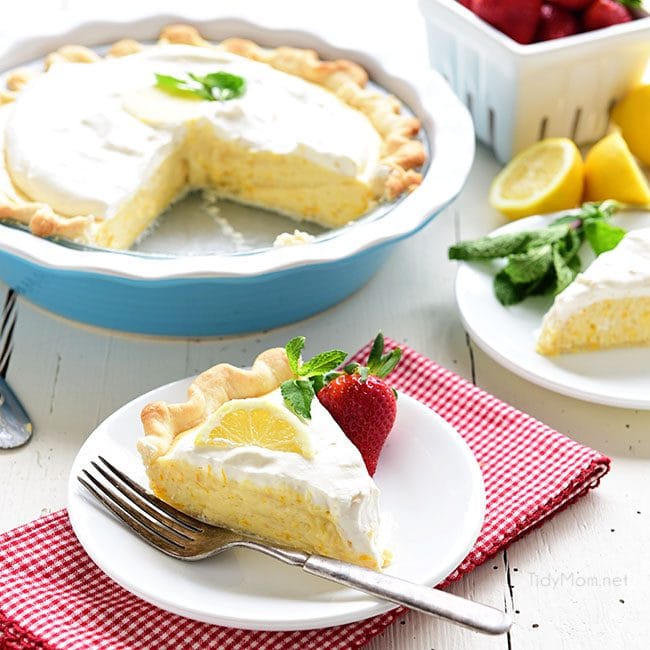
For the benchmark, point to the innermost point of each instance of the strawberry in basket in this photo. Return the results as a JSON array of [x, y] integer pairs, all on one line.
[[526, 21]]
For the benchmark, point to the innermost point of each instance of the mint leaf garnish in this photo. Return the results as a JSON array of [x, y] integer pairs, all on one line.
[[317, 382], [531, 265], [322, 363], [315, 374], [487, 248], [182, 87], [564, 274], [506, 291], [544, 261], [222, 85], [298, 395], [215, 86], [602, 236], [294, 349]]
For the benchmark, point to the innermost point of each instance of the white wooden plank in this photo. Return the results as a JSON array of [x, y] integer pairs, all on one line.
[[576, 578], [51, 371]]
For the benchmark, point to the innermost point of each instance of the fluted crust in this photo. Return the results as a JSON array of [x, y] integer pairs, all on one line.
[[162, 421]]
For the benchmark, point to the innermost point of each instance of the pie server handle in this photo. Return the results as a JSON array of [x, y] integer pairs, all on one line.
[[467, 613], [15, 425]]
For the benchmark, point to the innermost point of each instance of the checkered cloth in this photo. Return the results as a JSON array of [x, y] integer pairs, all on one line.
[[52, 596]]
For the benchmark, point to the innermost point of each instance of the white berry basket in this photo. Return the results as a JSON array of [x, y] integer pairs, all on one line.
[[519, 94]]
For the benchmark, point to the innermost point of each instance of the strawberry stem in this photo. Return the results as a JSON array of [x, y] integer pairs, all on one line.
[[380, 364]]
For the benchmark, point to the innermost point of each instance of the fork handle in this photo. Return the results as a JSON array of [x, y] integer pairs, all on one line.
[[467, 613]]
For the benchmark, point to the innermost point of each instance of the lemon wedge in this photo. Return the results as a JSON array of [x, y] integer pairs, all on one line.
[[632, 115], [259, 422], [612, 173], [545, 177]]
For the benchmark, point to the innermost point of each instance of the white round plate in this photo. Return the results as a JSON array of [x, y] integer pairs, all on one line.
[[615, 377], [430, 484]]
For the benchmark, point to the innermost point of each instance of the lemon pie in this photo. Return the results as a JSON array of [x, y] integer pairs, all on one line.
[[606, 305], [234, 455], [94, 149]]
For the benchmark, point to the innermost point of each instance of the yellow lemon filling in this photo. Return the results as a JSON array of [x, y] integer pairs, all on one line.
[[279, 515]]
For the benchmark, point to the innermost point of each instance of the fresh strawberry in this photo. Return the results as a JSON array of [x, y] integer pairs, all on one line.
[[604, 13], [516, 18], [571, 5], [555, 22], [467, 3], [362, 404]]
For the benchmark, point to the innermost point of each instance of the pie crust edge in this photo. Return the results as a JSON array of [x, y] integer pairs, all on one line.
[[162, 421]]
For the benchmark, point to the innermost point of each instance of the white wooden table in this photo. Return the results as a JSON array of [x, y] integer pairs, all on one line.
[[579, 582]]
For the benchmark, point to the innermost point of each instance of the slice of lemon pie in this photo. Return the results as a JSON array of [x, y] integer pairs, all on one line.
[[234, 455], [95, 149], [606, 305]]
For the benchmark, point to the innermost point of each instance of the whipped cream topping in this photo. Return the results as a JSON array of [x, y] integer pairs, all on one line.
[[623, 272], [85, 137], [335, 475]]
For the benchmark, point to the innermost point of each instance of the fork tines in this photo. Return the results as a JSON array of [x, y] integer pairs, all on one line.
[[158, 523]]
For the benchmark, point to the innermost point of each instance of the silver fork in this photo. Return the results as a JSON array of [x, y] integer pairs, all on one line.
[[15, 426], [185, 538]]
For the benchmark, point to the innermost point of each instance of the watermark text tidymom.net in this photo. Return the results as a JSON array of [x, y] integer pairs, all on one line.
[[575, 579]]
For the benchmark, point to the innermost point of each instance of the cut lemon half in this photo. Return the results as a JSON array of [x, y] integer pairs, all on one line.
[[258, 422], [612, 173], [545, 177]]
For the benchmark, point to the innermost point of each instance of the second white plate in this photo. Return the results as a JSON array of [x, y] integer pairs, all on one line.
[[430, 484], [615, 377]]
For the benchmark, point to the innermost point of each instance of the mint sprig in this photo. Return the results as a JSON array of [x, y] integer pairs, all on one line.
[[215, 86], [299, 393], [546, 260], [310, 376]]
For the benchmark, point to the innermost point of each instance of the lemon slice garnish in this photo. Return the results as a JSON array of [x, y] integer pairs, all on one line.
[[156, 108], [546, 177], [256, 422]]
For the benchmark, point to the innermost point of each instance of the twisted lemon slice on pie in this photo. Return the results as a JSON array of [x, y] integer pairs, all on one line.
[[94, 150], [234, 455]]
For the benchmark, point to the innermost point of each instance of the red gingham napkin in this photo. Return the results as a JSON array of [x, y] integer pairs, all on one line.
[[52, 596]]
